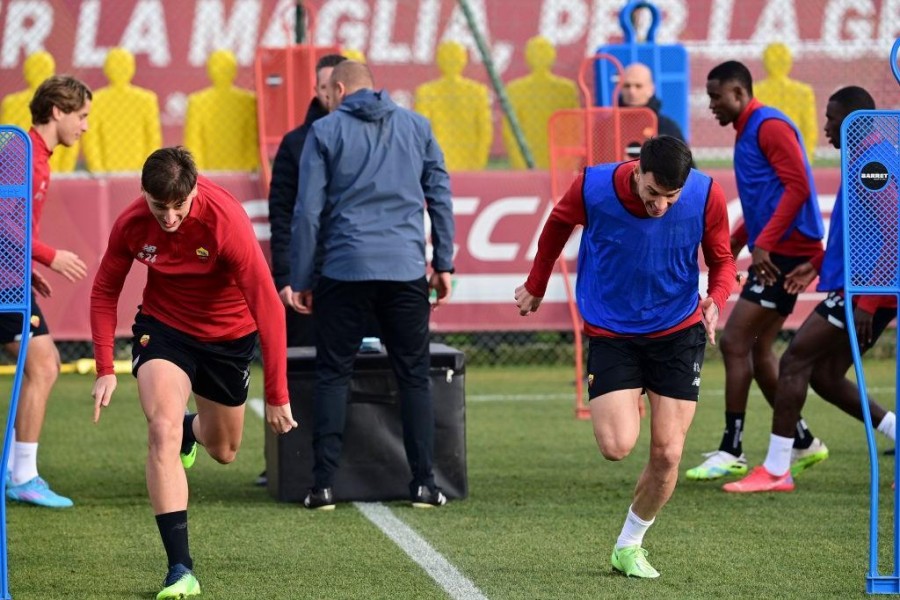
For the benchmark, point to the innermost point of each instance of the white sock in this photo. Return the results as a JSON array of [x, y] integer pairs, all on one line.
[[778, 459], [633, 530], [888, 426], [26, 462], [12, 453]]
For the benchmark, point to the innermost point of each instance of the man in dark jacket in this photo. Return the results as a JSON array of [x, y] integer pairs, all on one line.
[[283, 194], [366, 169], [638, 91]]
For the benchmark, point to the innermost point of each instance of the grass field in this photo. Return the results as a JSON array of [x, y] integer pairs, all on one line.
[[541, 519]]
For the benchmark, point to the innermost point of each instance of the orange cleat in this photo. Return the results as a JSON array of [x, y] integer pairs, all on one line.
[[760, 480]]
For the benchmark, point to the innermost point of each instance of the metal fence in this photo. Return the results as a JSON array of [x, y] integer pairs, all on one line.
[[182, 73]]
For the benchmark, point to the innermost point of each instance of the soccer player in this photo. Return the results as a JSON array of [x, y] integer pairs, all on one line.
[[820, 354], [208, 293], [783, 229], [59, 113], [637, 291]]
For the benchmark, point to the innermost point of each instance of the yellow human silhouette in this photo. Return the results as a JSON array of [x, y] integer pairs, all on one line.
[[459, 111], [354, 55], [220, 125], [125, 126], [795, 99], [14, 110], [534, 98]]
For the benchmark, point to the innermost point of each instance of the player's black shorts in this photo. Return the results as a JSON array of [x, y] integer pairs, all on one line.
[[832, 309], [219, 371], [11, 324], [668, 365], [774, 296]]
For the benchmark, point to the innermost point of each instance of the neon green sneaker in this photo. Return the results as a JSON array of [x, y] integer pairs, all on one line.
[[631, 561], [718, 464], [801, 460], [187, 460], [180, 583]]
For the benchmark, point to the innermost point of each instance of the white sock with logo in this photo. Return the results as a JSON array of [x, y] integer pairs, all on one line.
[[888, 425], [633, 530], [26, 462], [778, 459], [12, 455]]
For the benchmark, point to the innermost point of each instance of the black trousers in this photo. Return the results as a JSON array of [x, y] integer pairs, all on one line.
[[343, 311]]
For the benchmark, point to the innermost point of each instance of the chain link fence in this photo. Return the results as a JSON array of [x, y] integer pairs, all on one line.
[[168, 73]]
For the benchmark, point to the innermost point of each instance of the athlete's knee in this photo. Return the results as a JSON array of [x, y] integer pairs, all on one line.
[[163, 436], [665, 457], [223, 452], [731, 344], [794, 364], [613, 447], [42, 368]]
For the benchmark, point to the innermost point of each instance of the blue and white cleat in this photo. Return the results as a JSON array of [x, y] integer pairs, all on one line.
[[36, 491]]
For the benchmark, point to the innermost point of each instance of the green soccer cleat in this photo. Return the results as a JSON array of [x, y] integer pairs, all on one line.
[[187, 460], [801, 460], [180, 583], [718, 464], [631, 561]]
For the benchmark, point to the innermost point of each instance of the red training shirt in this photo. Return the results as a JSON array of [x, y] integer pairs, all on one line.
[[40, 182], [207, 279], [569, 212]]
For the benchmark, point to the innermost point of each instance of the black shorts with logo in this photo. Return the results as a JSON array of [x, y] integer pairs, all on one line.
[[668, 365], [774, 296], [219, 371], [11, 324], [832, 309]]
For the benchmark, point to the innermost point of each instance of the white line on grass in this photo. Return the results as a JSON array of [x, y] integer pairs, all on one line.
[[457, 585], [435, 565]]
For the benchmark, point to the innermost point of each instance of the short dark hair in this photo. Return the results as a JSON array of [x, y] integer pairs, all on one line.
[[62, 91], [853, 98], [330, 60], [733, 70], [169, 174], [669, 159]]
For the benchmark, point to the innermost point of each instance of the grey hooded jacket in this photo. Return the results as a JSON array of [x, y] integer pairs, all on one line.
[[367, 173]]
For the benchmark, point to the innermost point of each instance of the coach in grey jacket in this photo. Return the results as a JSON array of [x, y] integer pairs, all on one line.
[[368, 172]]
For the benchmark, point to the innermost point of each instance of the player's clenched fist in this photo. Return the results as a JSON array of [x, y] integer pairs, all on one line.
[[526, 302]]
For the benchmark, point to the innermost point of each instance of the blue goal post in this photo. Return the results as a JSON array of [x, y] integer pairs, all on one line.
[[15, 283]]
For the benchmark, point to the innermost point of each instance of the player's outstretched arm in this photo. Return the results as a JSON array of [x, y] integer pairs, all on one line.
[[103, 390], [280, 418], [526, 302]]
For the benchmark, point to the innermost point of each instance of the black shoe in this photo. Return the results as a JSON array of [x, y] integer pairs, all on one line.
[[426, 497], [890, 452], [319, 499], [262, 480]]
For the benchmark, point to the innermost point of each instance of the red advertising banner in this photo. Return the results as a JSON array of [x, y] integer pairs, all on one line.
[[499, 216]]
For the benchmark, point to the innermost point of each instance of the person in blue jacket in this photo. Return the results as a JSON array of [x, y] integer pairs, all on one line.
[[369, 170]]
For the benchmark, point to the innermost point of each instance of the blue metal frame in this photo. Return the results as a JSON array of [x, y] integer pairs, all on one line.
[[16, 191], [875, 583]]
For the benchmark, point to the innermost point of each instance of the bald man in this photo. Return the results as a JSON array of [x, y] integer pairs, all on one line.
[[365, 169], [638, 91]]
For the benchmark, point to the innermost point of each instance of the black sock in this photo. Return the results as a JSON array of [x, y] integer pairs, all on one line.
[[173, 529], [187, 433], [803, 439], [734, 433]]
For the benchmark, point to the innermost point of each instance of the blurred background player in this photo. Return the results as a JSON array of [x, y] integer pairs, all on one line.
[[208, 297], [644, 222], [59, 113], [819, 353], [783, 229]]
